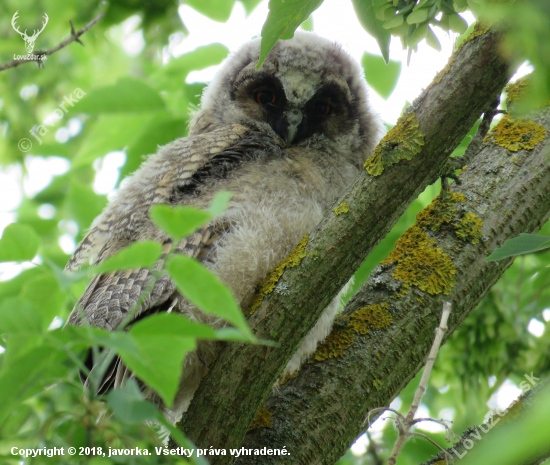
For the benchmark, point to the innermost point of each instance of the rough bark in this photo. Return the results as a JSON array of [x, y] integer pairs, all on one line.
[[243, 375], [320, 413]]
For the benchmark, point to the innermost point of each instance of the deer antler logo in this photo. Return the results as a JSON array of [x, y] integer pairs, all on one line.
[[29, 40]]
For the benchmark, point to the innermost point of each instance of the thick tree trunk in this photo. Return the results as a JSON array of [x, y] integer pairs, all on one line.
[[411, 157], [387, 329]]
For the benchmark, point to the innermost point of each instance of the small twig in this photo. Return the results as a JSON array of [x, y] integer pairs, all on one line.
[[74, 37], [74, 34], [380, 409], [404, 427], [433, 420], [448, 457]]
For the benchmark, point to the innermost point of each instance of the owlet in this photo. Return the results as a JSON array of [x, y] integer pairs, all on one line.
[[286, 139]]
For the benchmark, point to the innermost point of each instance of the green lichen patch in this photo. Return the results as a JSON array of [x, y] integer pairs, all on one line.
[[402, 142], [468, 228], [267, 286], [334, 345], [341, 208], [516, 134], [420, 263], [374, 316], [262, 420]]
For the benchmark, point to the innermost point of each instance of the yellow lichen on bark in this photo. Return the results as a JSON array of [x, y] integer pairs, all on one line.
[[468, 228], [262, 420], [440, 211], [341, 208], [417, 259], [267, 286], [402, 142], [361, 321], [516, 134], [374, 316], [334, 345], [420, 263]]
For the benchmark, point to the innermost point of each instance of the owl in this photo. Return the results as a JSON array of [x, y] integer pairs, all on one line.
[[286, 139]]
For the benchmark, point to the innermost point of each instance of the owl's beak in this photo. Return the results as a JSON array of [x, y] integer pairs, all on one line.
[[294, 118]]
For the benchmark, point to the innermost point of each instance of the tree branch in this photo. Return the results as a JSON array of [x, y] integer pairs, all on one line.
[[510, 417], [408, 422], [243, 375], [74, 37], [319, 414]]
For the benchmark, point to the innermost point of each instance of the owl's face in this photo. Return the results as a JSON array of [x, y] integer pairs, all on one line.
[[307, 92]]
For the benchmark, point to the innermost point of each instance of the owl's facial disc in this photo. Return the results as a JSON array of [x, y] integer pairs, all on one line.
[[295, 117]]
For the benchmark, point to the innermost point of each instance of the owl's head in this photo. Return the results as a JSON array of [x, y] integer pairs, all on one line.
[[307, 92]]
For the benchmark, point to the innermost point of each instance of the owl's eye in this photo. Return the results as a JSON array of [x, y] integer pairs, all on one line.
[[266, 97], [322, 108]]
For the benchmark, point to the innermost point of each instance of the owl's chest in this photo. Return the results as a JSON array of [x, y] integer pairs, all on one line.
[[273, 207]]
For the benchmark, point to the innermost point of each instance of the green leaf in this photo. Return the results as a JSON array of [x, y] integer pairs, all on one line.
[[307, 25], [250, 5], [160, 129], [19, 243], [393, 22], [128, 405], [381, 11], [174, 325], [380, 76], [177, 69], [87, 336], [44, 293], [138, 255], [205, 290], [457, 23], [419, 34], [83, 204], [218, 10], [27, 375], [432, 40], [158, 357], [18, 316], [153, 349], [234, 335], [365, 11], [220, 203], [15, 285], [420, 4], [108, 133], [418, 16], [284, 17], [523, 244], [128, 95], [179, 221]]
